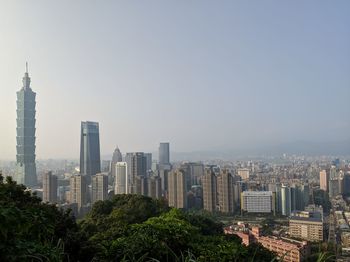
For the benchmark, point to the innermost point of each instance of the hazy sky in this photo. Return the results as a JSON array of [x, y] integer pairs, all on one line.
[[199, 74]]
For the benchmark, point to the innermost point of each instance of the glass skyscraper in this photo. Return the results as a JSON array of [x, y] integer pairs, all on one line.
[[164, 154], [25, 167], [90, 163]]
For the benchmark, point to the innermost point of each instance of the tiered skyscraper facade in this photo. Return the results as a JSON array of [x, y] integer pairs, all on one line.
[[26, 168]]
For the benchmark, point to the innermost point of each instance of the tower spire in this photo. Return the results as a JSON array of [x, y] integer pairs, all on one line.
[[26, 78]]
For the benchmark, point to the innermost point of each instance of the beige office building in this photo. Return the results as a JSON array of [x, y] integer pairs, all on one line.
[[99, 188], [324, 180], [225, 194], [209, 191], [49, 188], [177, 193], [78, 190], [121, 178], [303, 226], [243, 173]]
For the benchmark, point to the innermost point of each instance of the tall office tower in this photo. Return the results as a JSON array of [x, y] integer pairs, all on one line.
[[209, 191], [78, 190], [148, 157], [154, 187], [177, 193], [117, 157], [49, 188], [225, 192], [164, 156], [99, 187], [25, 166], [286, 200], [121, 178], [324, 180], [136, 163], [90, 163]]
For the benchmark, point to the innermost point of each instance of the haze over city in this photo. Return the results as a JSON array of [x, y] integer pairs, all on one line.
[[202, 75]]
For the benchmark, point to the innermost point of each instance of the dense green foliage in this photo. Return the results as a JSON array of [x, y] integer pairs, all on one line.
[[125, 228], [31, 230]]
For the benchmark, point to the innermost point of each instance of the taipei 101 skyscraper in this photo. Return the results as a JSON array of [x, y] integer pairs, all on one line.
[[26, 169]]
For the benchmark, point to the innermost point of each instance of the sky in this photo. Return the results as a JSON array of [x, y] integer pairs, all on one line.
[[203, 75]]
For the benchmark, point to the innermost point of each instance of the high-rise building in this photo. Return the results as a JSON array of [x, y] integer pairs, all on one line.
[[136, 163], [99, 187], [286, 203], [117, 157], [225, 192], [121, 178], [90, 161], [257, 201], [154, 187], [78, 190], [333, 187], [164, 155], [49, 188], [324, 180], [209, 191], [148, 157], [177, 193], [25, 166]]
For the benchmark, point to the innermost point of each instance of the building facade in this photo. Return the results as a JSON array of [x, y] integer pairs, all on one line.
[[99, 188], [209, 191], [50, 188], [307, 226], [78, 190], [177, 193], [121, 178], [257, 201]]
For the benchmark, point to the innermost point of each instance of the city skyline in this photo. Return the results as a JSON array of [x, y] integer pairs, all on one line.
[[249, 77]]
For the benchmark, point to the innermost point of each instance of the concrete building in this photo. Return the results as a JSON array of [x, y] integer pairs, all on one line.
[[225, 192], [324, 180], [121, 178], [289, 250], [243, 173], [136, 163], [99, 187], [177, 193], [257, 201], [154, 187], [78, 190], [50, 188], [306, 225], [209, 191]]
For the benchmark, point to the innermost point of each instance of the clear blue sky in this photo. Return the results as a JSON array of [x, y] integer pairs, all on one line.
[[200, 74]]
